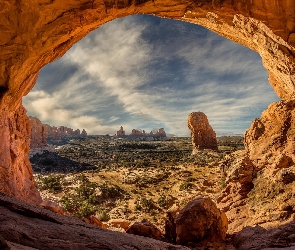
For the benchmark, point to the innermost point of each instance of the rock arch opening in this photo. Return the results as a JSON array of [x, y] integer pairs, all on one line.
[[140, 71]]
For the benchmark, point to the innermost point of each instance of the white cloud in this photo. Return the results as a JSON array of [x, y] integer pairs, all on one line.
[[115, 84]]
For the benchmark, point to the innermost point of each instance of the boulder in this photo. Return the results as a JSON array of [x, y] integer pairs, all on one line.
[[145, 228], [170, 226], [95, 221], [119, 223], [52, 206], [203, 136], [200, 222]]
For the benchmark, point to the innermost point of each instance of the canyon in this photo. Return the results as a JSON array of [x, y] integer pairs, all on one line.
[[259, 182]]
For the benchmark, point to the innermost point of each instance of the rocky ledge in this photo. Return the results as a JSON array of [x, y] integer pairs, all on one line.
[[23, 226]]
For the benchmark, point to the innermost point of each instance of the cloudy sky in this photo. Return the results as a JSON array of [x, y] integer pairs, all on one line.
[[145, 72]]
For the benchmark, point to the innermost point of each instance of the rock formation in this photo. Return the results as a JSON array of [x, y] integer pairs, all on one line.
[[37, 32], [203, 136], [38, 133], [27, 227], [260, 180], [16, 177], [83, 133], [120, 132], [272, 137], [145, 228], [141, 133], [41, 132], [200, 221]]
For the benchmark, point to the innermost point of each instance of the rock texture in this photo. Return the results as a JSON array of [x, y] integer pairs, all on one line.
[[255, 195], [239, 173], [270, 140], [16, 178], [203, 136], [38, 133], [200, 221], [28, 226], [145, 228]]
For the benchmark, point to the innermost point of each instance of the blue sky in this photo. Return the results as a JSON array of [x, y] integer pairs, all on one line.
[[145, 72]]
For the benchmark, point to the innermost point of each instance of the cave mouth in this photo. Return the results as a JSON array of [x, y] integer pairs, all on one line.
[[177, 68]]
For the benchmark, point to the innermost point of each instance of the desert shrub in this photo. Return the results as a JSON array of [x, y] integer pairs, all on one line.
[[146, 204], [70, 203], [110, 191], [86, 210], [223, 184], [185, 186], [52, 183], [162, 202], [86, 190], [103, 215]]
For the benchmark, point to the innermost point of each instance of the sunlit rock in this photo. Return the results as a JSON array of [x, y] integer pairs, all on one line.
[[203, 136]]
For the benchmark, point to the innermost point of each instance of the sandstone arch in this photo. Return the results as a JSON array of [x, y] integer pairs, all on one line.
[[36, 32]]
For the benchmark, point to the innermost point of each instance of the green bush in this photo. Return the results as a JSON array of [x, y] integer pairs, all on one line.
[[103, 215], [162, 202], [110, 191], [185, 186], [146, 204], [86, 210], [52, 183]]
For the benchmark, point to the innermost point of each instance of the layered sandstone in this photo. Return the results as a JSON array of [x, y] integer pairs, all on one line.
[[16, 178], [273, 135], [38, 133], [203, 136]]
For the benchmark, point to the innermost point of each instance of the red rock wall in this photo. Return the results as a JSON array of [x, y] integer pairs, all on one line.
[[16, 177], [38, 133]]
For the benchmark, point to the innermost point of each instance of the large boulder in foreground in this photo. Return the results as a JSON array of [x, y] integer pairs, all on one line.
[[200, 221], [203, 136]]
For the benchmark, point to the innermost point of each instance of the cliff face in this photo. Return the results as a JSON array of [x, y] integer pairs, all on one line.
[[16, 178], [37, 32], [38, 133], [41, 132]]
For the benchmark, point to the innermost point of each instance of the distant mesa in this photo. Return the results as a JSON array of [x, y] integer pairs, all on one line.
[[141, 133], [42, 133], [203, 136]]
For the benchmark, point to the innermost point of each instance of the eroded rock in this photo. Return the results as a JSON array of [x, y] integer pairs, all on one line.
[[270, 139], [203, 136], [38, 133], [30, 226], [201, 222], [145, 228]]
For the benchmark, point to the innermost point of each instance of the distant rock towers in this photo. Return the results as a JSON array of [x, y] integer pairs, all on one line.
[[120, 132], [203, 136]]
